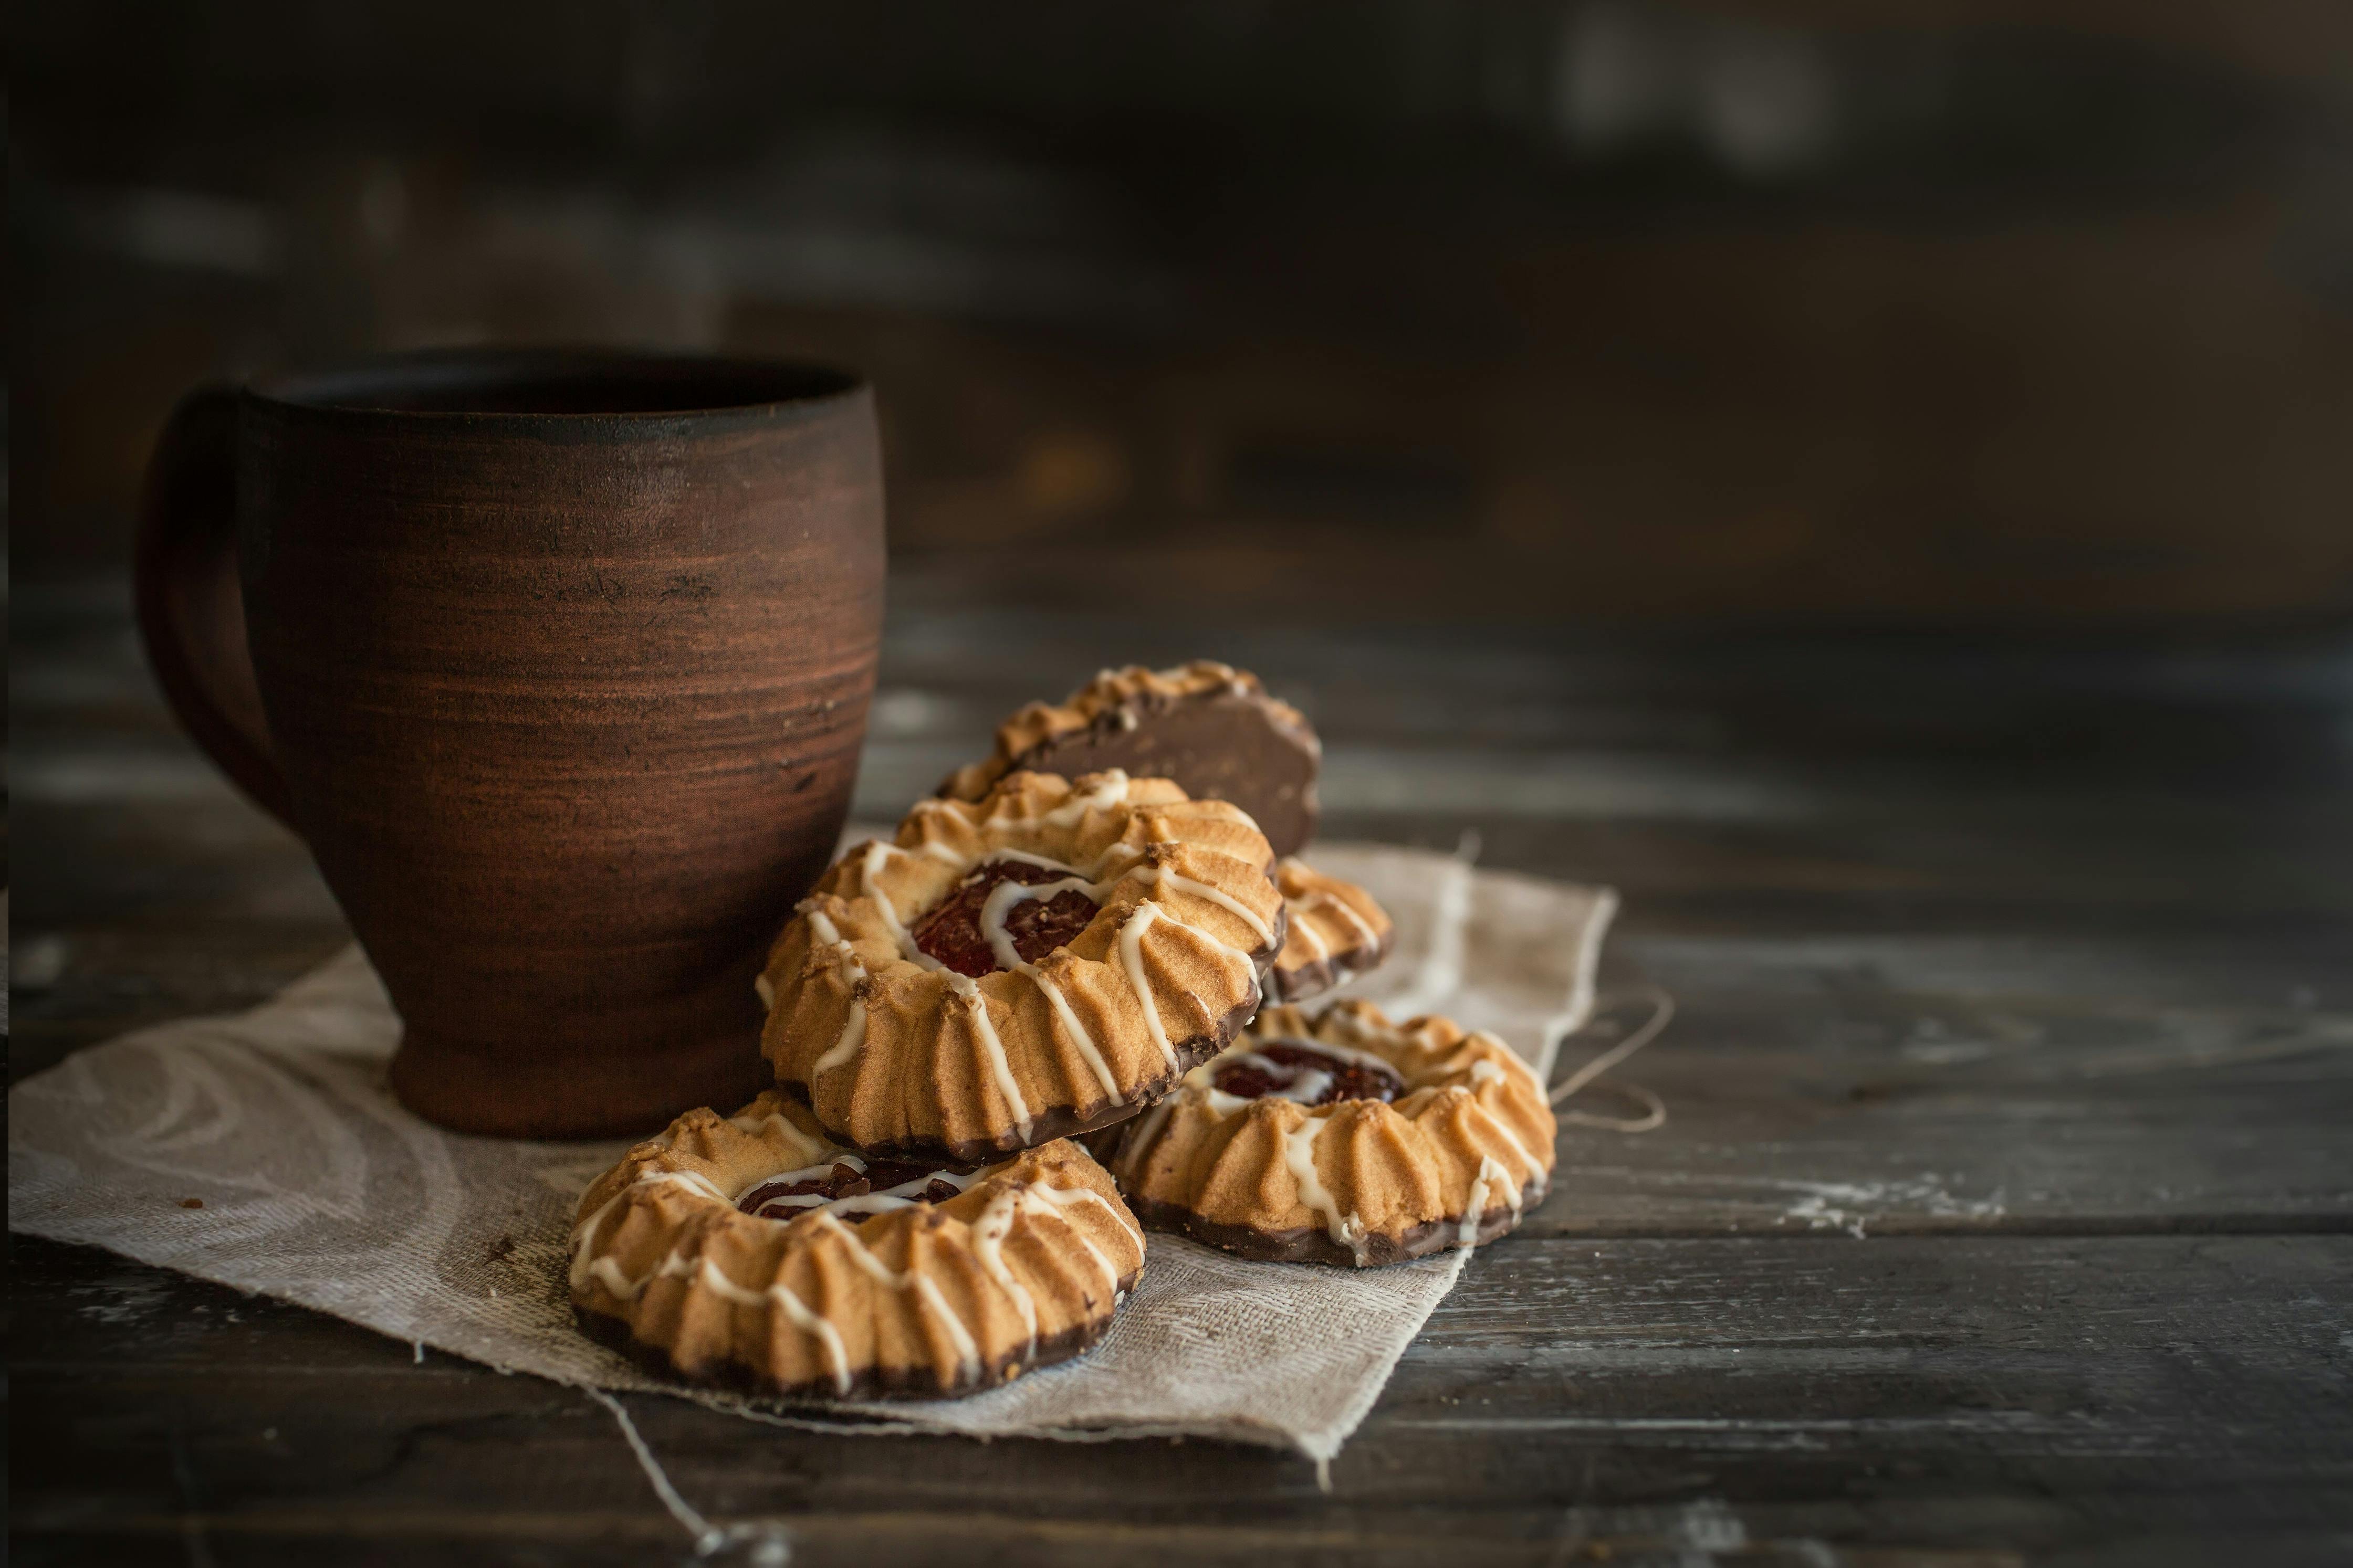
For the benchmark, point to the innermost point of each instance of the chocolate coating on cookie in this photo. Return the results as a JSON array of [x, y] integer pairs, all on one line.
[[1208, 727], [1311, 1244], [1223, 745]]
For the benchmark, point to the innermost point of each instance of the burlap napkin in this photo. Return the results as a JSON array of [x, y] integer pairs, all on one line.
[[316, 1187]]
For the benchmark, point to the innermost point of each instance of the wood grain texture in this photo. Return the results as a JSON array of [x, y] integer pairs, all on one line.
[[2026, 965], [1926, 1394]]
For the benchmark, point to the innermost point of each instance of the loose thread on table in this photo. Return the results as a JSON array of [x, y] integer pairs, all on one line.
[[707, 1537], [1662, 1011], [773, 1544]]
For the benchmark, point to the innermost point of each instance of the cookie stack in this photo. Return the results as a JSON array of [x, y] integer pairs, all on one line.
[[1065, 995]]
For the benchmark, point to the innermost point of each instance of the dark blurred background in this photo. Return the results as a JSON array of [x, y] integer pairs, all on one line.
[[1811, 311]]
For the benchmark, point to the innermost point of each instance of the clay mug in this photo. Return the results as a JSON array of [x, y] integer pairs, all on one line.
[[559, 661]]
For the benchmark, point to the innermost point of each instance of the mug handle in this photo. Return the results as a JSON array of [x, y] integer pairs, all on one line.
[[191, 610]]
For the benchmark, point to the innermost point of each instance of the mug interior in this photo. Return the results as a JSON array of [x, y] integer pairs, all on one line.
[[559, 382]]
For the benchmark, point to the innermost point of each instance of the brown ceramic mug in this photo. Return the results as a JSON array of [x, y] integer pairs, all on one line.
[[559, 662]]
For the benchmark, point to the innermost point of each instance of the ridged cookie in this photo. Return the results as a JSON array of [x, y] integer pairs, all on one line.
[[1344, 1139], [1045, 961], [943, 1283]]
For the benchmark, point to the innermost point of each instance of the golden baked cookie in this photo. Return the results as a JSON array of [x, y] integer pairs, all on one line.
[[1344, 1139], [1044, 960], [750, 1250], [1208, 726], [1333, 931]]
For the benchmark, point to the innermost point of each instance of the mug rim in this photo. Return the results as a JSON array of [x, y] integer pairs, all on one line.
[[343, 389]]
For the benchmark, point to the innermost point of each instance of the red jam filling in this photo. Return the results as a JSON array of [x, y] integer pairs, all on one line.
[[1294, 1069], [842, 1179], [952, 934]]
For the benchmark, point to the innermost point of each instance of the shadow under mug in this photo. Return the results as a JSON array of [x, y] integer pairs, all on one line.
[[559, 661]]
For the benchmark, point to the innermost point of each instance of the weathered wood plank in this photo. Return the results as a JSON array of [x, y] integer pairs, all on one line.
[[1953, 971], [1951, 1394], [1819, 1086], [1891, 1084]]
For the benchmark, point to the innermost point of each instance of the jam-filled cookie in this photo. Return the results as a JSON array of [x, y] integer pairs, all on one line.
[[1334, 930], [1344, 1139], [1044, 960], [1209, 727], [752, 1251]]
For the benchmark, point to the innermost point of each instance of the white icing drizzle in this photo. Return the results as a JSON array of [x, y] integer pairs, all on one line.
[[1475, 1207], [583, 1235], [1486, 1068], [1024, 858], [988, 1233], [852, 1038], [1308, 1087], [1002, 1069], [766, 991], [808, 1147], [967, 1352], [1183, 884], [870, 1204], [1051, 1200], [1063, 1198], [999, 904], [1509, 1055], [1131, 956], [846, 1048], [1511, 1186], [1204, 1087], [1250, 966], [1111, 788], [1299, 1153], [806, 1173], [1346, 1053], [905, 1195], [677, 1266], [1077, 1033], [1005, 895], [1314, 901], [608, 1273], [1112, 791], [1350, 1023], [795, 1310], [1116, 849], [1528, 1161], [693, 1181], [1305, 929], [1305, 1090], [876, 853], [1137, 1145]]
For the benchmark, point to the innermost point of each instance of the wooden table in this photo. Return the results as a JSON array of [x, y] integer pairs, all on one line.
[[2002, 1213]]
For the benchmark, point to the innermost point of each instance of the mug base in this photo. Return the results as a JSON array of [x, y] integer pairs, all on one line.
[[491, 1092]]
